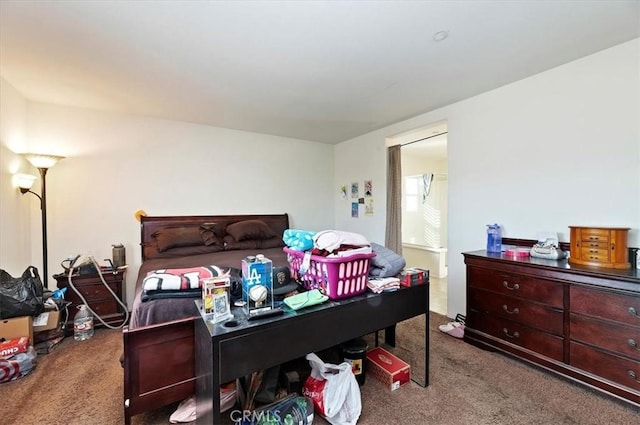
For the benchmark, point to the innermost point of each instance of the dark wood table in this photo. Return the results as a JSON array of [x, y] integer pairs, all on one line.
[[224, 353]]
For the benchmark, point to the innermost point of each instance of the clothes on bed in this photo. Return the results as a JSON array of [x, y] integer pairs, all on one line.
[[170, 309], [299, 240], [180, 279], [158, 295], [386, 263]]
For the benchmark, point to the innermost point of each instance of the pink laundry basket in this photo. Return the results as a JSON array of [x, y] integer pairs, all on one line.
[[336, 277]]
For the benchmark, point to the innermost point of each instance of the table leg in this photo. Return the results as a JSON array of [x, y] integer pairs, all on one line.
[[390, 336]]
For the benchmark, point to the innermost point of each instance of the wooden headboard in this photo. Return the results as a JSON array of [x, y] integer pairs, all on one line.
[[149, 224]]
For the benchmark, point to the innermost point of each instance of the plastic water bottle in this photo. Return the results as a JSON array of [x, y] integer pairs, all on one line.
[[494, 238], [82, 324]]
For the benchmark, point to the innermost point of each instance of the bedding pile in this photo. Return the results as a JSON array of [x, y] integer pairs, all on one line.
[[178, 283]]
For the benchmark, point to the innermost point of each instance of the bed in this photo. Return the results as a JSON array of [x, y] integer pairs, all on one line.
[[158, 358]]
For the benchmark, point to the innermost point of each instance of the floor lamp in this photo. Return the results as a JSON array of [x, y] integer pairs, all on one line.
[[42, 163]]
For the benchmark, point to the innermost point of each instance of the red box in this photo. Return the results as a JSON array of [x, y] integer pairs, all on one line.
[[14, 346], [413, 277], [387, 368]]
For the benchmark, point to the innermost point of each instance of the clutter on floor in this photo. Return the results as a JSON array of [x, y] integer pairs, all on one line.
[[32, 322], [455, 328]]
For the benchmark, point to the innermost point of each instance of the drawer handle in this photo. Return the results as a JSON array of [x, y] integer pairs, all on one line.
[[514, 311], [513, 335], [632, 343], [632, 375], [515, 286], [633, 312]]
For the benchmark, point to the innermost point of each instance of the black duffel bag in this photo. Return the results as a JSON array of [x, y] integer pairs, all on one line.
[[21, 296]]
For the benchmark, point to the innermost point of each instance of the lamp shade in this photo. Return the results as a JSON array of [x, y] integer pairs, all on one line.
[[24, 181], [42, 160]]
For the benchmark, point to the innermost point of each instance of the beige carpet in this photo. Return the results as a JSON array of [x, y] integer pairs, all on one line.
[[81, 383]]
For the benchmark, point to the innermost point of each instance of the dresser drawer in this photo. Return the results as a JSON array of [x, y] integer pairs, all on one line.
[[594, 254], [543, 291], [515, 333], [617, 369], [620, 307], [594, 235], [528, 313], [623, 340]]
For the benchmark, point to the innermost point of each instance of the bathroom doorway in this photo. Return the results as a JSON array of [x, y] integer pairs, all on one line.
[[424, 207]]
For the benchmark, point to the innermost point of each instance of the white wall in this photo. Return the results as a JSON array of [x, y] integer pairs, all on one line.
[[116, 165], [557, 149], [15, 208]]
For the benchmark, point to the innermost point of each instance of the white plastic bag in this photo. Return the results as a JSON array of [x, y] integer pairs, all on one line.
[[334, 390]]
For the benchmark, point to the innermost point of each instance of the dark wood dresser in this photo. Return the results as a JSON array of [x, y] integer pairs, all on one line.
[[97, 295], [578, 321]]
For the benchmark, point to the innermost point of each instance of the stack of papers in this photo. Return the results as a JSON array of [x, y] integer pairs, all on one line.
[[383, 284]]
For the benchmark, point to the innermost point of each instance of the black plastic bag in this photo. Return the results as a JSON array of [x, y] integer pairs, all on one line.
[[21, 296]]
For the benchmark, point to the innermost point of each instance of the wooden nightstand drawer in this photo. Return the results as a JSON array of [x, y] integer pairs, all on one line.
[[531, 314], [540, 290], [623, 340], [97, 296], [96, 292], [617, 369], [607, 305], [515, 333]]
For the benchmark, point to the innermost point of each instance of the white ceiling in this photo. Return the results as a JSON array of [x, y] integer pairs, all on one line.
[[323, 71]]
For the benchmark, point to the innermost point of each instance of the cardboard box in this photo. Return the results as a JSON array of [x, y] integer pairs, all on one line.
[[46, 321], [387, 368], [414, 276], [17, 327]]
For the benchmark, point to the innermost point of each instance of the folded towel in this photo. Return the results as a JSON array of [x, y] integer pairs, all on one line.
[[299, 240], [383, 284], [330, 240], [305, 299]]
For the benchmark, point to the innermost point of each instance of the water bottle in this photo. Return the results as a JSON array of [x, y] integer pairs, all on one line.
[[82, 324], [494, 238]]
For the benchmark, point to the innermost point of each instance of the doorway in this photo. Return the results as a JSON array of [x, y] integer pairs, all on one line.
[[425, 207]]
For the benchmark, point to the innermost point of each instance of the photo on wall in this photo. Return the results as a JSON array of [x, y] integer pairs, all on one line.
[[354, 209], [368, 207], [368, 188], [355, 190], [343, 192]]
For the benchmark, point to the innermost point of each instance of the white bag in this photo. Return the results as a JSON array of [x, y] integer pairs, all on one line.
[[334, 390]]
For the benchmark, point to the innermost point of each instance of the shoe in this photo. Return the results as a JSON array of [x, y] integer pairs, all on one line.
[[455, 329]]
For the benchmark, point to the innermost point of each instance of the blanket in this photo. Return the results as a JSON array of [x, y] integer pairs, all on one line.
[[386, 263], [179, 279]]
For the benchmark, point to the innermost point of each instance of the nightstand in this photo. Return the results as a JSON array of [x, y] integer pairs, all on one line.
[[97, 295]]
